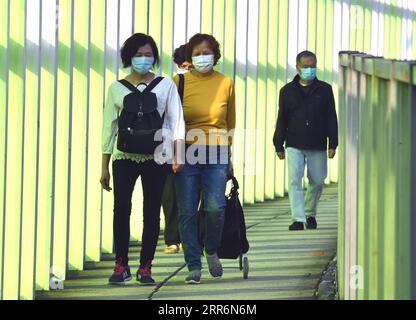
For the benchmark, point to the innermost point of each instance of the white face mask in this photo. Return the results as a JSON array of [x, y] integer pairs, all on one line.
[[181, 71], [203, 63]]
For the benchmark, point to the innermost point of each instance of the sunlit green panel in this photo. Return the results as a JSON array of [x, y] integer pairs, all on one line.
[[321, 37], [206, 15], [167, 38], [60, 221], [329, 66], [96, 101], [155, 23], [229, 40], [403, 167], [78, 137], [218, 28], [111, 58], [27, 266], [3, 92], [281, 80], [312, 24], [396, 31], [46, 147], [414, 38], [261, 102], [240, 89], [360, 26], [14, 154], [367, 27], [251, 109], [271, 103], [141, 8], [375, 206], [388, 23]]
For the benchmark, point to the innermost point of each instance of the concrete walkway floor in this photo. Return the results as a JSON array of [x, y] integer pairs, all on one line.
[[283, 264]]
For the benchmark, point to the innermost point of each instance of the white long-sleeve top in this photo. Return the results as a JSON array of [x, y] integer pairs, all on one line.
[[168, 101]]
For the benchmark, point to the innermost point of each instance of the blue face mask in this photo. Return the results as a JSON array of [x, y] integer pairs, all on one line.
[[308, 74], [142, 65]]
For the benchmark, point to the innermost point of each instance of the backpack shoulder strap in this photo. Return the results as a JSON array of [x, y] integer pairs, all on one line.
[[128, 85], [153, 84], [181, 88]]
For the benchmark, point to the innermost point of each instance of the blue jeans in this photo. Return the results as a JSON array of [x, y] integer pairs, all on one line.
[[211, 180], [316, 161]]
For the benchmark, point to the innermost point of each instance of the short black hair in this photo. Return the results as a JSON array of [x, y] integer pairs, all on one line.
[[305, 54], [198, 39], [133, 44], [179, 56]]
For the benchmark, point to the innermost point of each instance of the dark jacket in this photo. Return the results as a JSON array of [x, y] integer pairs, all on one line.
[[306, 120]]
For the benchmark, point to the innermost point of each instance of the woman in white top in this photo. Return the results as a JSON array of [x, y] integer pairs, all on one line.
[[141, 53]]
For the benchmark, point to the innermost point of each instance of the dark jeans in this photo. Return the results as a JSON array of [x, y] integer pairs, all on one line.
[[211, 179], [125, 174], [170, 209]]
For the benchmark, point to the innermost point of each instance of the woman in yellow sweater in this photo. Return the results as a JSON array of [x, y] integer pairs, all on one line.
[[209, 112]]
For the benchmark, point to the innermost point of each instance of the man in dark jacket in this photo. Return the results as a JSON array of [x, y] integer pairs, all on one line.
[[307, 120]]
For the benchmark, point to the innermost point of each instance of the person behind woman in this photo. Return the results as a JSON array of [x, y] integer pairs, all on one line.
[[170, 208], [209, 108], [141, 53]]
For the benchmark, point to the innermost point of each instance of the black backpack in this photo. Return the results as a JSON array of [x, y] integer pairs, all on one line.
[[139, 120]]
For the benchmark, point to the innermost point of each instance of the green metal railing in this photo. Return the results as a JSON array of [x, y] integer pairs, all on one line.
[[377, 178], [57, 60]]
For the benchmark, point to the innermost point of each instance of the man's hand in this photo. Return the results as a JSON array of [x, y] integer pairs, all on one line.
[[331, 153], [281, 155], [105, 180]]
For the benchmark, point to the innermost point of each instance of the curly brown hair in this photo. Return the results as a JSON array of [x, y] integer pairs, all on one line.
[[198, 39]]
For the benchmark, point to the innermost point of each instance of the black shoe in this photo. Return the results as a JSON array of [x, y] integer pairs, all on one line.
[[144, 275], [296, 226], [121, 274], [311, 223]]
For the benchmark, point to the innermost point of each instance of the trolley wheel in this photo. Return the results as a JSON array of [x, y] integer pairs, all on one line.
[[241, 262], [245, 268]]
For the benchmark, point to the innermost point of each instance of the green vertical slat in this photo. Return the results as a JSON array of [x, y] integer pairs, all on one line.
[[404, 192], [96, 101], [353, 25], [367, 26], [341, 183], [110, 76], [329, 76], [251, 110], [374, 207], [312, 24], [4, 8], [206, 16], [167, 46], [321, 37], [14, 149], [271, 114], [78, 136], [414, 37], [396, 34], [229, 40], [240, 91], [141, 8], [45, 153], [218, 28], [387, 31], [155, 24], [60, 234], [261, 102], [27, 267], [281, 81]]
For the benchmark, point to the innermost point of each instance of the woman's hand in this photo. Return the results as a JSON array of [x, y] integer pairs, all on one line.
[[105, 180], [176, 168]]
